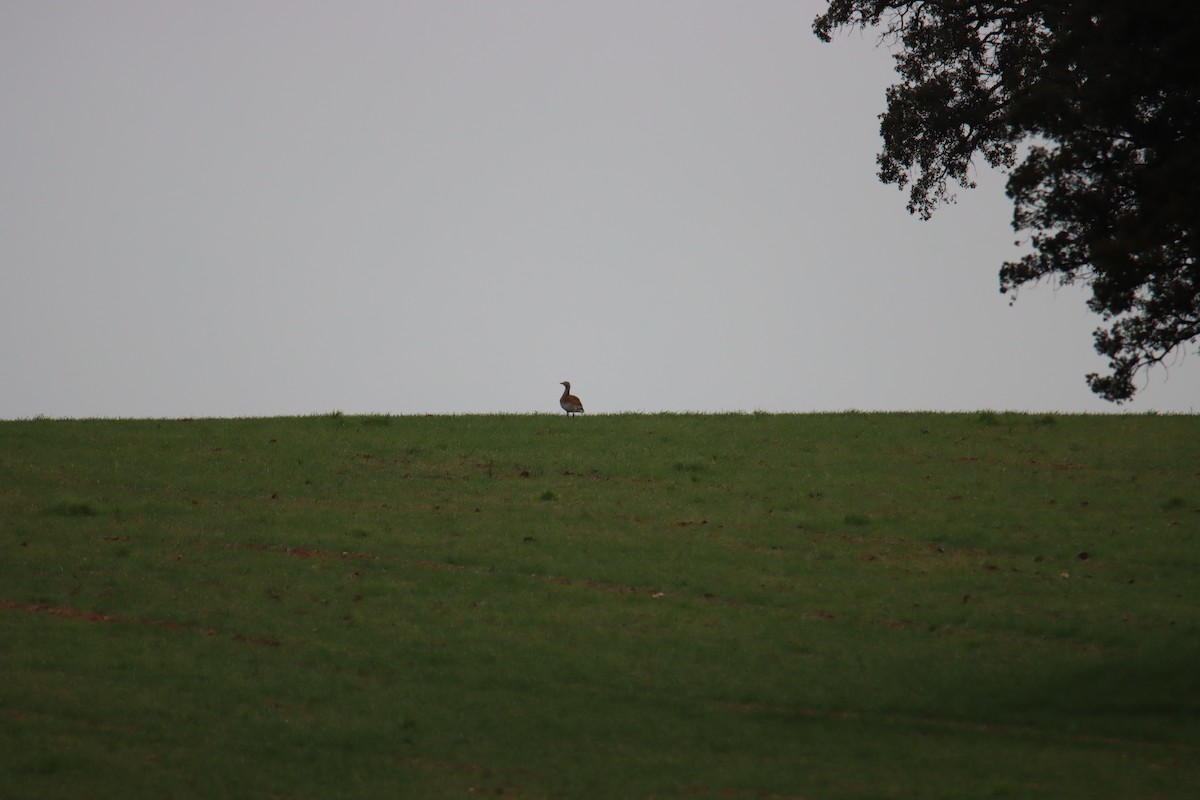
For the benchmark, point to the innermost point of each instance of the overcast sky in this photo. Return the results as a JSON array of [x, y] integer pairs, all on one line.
[[257, 208]]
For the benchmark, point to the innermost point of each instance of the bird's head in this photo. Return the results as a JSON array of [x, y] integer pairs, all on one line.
[[565, 383]]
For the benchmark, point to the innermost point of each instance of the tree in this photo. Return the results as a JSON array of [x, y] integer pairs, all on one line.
[[1092, 107]]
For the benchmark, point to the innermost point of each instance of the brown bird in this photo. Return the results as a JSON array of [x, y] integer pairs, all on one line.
[[569, 402]]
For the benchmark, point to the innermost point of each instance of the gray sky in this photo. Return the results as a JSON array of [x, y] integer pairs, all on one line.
[[258, 208]]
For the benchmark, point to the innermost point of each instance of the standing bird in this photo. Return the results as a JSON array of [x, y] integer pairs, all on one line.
[[569, 402]]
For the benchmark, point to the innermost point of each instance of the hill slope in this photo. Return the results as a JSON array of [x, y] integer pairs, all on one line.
[[883, 605]]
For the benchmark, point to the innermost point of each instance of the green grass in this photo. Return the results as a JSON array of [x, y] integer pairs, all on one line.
[[628, 606]]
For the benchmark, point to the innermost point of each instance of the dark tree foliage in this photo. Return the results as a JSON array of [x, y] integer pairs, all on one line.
[[1093, 108]]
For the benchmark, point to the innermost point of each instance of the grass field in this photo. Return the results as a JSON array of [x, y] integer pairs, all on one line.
[[626, 606]]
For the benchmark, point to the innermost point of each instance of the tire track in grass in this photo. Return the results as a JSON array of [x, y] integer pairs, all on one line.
[[310, 553], [101, 618], [314, 553], [607, 587], [953, 725]]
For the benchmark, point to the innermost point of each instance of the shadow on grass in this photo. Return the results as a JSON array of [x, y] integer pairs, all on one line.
[[1153, 695]]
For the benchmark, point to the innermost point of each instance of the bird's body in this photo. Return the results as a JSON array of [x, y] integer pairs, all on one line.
[[569, 402]]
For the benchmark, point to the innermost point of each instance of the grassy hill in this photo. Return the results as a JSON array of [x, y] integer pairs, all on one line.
[[626, 606]]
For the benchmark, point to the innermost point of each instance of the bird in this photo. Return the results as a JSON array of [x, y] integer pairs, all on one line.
[[569, 402]]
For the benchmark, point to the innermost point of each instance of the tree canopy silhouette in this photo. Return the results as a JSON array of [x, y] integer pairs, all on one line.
[[1093, 109]]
